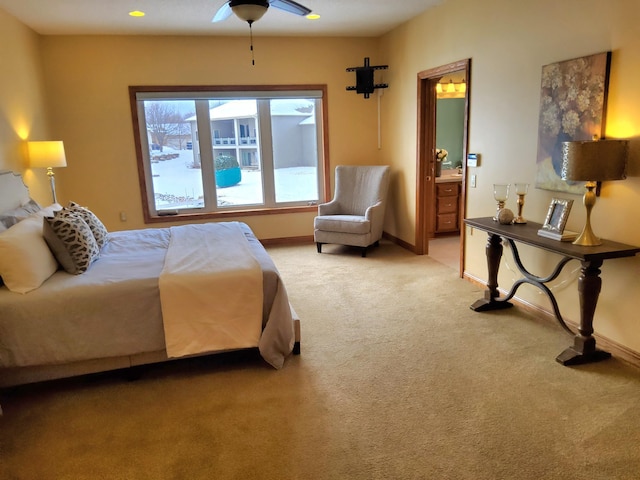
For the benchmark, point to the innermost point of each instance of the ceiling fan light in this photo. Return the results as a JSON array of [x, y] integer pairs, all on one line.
[[249, 12]]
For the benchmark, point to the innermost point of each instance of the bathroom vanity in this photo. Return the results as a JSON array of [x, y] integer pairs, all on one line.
[[447, 204]]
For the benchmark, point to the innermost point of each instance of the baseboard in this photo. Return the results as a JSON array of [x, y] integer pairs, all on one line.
[[309, 239], [399, 242], [287, 241], [617, 350]]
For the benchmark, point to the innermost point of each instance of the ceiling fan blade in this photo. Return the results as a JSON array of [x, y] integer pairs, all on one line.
[[223, 13], [290, 6]]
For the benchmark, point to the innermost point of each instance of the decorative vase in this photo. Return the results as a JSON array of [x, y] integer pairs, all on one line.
[[438, 168]]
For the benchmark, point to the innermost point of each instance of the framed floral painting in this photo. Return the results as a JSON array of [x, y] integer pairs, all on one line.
[[573, 97]]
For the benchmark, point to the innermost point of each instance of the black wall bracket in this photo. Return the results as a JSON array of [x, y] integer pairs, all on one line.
[[364, 78]]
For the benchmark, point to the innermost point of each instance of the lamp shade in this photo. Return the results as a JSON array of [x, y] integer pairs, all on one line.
[[249, 11], [595, 161], [46, 154]]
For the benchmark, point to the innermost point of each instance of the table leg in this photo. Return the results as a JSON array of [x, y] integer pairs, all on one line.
[[584, 344], [494, 254]]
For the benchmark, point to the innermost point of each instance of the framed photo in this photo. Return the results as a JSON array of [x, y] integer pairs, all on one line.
[[557, 215]]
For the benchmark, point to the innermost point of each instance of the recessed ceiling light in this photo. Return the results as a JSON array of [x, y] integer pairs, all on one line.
[[136, 13], [313, 16]]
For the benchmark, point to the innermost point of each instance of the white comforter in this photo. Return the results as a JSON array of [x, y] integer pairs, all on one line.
[[210, 290]]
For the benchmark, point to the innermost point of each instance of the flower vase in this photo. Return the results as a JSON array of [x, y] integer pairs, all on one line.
[[438, 168]]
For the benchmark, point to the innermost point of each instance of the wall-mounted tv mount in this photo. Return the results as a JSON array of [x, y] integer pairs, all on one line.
[[364, 78]]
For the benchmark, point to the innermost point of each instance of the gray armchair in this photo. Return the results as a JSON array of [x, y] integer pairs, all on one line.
[[355, 216]]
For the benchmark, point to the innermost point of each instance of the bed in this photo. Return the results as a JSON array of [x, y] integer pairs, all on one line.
[[114, 314]]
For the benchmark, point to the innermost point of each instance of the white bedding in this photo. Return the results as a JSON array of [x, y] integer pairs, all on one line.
[[210, 290], [114, 309]]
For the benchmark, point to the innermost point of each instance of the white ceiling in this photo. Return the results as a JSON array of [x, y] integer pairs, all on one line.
[[193, 17]]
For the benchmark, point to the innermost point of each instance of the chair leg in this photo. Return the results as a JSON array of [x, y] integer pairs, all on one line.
[[364, 252], [319, 247]]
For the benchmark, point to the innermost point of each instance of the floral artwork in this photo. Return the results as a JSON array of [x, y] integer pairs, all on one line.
[[572, 107]]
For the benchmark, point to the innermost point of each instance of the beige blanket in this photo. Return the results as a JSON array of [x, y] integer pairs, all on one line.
[[210, 290]]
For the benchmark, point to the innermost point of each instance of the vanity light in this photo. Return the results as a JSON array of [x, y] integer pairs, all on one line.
[[438, 87], [451, 88]]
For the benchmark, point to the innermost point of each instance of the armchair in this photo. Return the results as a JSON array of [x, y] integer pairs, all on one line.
[[355, 216]]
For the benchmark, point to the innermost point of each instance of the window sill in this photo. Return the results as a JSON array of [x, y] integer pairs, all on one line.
[[191, 217]]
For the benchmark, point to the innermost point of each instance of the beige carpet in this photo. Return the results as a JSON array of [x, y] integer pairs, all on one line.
[[398, 379]]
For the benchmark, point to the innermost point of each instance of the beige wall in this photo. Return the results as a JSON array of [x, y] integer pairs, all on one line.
[[22, 109], [87, 80], [508, 43]]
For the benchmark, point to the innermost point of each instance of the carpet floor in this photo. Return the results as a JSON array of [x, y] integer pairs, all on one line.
[[397, 379]]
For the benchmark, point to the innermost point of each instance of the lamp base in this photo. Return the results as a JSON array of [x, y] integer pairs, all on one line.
[[587, 238]]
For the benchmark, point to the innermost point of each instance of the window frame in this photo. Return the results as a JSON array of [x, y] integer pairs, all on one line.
[[148, 209]]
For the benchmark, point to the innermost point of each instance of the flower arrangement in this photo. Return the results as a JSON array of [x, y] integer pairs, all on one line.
[[441, 154]]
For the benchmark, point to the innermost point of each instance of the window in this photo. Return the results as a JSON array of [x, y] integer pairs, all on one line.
[[217, 150]]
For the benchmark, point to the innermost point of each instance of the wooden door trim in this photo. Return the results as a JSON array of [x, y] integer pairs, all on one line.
[[425, 160]]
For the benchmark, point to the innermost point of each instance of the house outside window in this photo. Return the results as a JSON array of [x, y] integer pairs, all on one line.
[[219, 150]]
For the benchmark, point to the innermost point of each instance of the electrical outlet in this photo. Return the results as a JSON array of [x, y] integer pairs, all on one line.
[[473, 181], [123, 216]]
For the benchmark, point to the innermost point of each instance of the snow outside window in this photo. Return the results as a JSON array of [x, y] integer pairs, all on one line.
[[215, 151]]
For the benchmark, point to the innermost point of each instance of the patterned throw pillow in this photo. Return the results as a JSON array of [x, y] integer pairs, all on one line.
[[98, 229], [71, 241]]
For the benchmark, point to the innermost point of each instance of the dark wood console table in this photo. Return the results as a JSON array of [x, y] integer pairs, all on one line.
[[589, 283]]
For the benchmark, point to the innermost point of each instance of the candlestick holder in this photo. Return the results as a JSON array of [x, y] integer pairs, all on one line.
[[521, 191], [500, 194]]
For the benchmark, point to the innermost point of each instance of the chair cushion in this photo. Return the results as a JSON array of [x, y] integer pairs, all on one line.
[[343, 224]]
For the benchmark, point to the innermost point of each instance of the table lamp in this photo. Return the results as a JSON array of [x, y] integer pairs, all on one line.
[[593, 162], [47, 155]]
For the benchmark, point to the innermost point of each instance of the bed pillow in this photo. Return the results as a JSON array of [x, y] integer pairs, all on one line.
[[71, 241], [11, 217], [25, 259], [98, 229], [49, 210]]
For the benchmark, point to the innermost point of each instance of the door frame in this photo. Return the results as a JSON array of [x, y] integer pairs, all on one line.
[[425, 163]]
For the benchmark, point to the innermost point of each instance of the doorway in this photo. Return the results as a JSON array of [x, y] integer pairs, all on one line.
[[426, 217]]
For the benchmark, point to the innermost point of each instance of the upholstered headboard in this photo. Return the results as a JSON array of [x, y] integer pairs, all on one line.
[[13, 191]]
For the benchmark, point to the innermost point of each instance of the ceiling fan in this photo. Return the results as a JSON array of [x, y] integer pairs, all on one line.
[[253, 10]]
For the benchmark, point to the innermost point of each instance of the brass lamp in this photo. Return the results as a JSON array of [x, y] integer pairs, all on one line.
[[593, 162], [47, 155]]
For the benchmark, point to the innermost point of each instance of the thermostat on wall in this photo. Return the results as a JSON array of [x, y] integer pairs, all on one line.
[[473, 159]]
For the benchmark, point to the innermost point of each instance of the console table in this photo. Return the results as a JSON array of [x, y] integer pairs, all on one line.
[[589, 283]]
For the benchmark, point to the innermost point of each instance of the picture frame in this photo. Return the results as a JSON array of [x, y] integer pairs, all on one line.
[[557, 215]]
